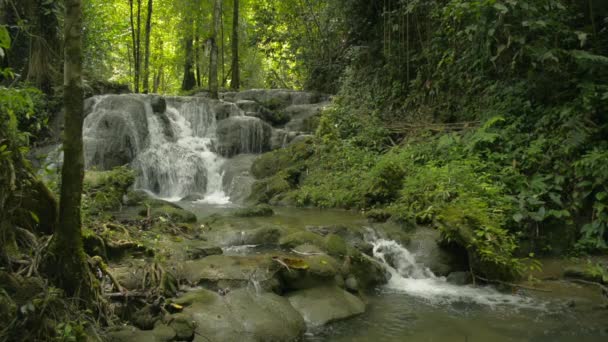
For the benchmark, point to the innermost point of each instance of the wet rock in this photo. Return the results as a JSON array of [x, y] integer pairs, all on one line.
[[159, 105], [240, 237], [129, 334], [256, 211], [425, 247], [243, 134], [170, 212], [200, 252], [222, 271], [248, 105], [184, 327], [238, 180], [304, 117], [459, 278], [224, 110], [318, 269], [115, 132], [368, 272], [300, 238], [245, 315], [323, 305], [335, 245], [146, 317], [352, 284]]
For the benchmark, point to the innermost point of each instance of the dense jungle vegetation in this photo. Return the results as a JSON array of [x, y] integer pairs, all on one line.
[[484, 119]]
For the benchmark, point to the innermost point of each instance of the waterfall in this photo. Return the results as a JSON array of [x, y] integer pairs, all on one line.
[[411, 277], [174, 145]]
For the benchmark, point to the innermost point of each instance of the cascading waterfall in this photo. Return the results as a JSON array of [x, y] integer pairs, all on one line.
[[173, 168], [413, 278], [175, 147]]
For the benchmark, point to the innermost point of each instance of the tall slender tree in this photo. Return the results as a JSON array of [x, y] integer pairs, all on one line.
[[135, 22], [146, 84], [213, 81], [235, 83], [69, 265]]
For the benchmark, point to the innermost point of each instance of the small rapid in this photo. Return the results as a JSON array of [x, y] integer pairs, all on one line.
[[413, 278]]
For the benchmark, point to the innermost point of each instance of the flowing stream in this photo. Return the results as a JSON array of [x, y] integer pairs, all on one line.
[[194, 150]]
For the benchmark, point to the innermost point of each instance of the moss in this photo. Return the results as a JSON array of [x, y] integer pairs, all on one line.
[[302, 237], [175, 214], [264, 191], [256, 211], [293, 156], [93, 244], [335, 245], [104, 190], [202, 296]]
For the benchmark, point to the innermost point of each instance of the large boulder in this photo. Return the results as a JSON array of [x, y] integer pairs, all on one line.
[[238, 180], [243, 134], [323, 305], [304, 117], [426, 248], [115, 131], [223, 271], [243, 315]]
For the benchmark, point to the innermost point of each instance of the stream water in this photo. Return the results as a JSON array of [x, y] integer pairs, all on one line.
[[179, 153], [416, 305]]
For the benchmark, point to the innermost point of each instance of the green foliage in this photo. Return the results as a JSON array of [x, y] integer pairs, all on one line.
[[104, 190]]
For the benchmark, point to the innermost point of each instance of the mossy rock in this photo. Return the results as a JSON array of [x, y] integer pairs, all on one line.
[[170, 212], [104, 190], [202, 296], [368, 272], [263, 191], [335, 245], [315, 270], [135, 197], [256, 211], [183, 326], [300, 238], [293, 156]]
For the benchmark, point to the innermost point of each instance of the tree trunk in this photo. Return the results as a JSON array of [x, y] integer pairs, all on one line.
[[134, 44], [223, 46], [189, 80], [138, 60], [70, 268], [213, 81], [147, 55], [236, 78]]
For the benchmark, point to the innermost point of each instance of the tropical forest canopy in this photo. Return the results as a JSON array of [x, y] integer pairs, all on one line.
[[483, 120]]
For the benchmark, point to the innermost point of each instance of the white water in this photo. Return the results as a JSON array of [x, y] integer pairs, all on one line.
[[174, 169], [411, 277]]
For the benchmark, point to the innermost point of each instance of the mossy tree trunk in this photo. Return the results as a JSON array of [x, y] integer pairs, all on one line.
[[69, 266], [213, 82]]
